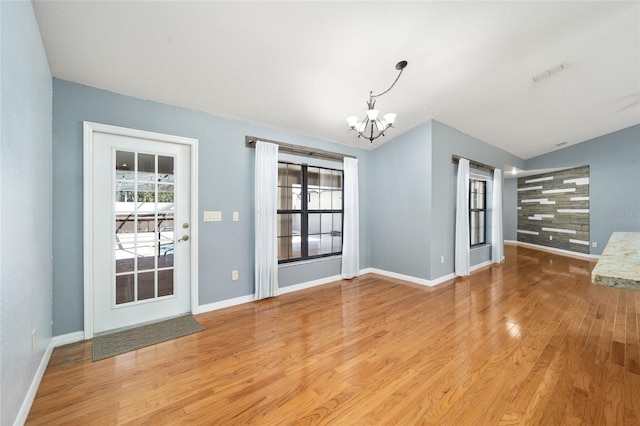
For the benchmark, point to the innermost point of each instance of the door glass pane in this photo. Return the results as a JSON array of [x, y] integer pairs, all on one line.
[[146, 166], [125, 196], [165, 169], [165, 225], [125, 256], [165, 258], [146, 225], [124, 288], [165, 283], [125, 223], [125, 165], [146, 286], [165, 193], [146, 193], [146, 255], [165, 237]]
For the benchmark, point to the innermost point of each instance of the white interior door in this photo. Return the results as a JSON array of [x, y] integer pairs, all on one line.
[[141, 229]]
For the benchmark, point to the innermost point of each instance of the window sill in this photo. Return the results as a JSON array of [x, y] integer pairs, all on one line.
[[304, 262], [481, 246]]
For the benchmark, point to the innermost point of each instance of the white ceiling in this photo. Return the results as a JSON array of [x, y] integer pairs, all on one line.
[[305, 66]]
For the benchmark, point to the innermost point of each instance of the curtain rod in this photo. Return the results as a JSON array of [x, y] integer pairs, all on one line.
[[474, 164], [286, 148]]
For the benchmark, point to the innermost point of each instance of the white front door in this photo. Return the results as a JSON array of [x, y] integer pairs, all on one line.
[[141, 229]]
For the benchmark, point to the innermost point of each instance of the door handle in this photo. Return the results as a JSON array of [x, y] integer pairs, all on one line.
[[184, 238]]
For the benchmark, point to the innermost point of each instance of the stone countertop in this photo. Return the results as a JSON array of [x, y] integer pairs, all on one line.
[[619, 265]]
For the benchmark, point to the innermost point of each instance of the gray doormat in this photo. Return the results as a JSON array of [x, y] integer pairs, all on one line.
[[108, 345]]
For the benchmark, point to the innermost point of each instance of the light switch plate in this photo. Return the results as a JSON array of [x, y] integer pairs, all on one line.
[[236, 216], [212, 216]]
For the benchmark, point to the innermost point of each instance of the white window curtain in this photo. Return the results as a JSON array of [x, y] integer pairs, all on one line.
[[266, 198], [463, 250], [497, 240], [351, 227]]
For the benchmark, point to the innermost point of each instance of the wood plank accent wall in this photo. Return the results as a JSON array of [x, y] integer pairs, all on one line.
[[553, 209]]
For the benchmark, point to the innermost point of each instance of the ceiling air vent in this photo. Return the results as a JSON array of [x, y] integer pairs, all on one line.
[[550, 72]]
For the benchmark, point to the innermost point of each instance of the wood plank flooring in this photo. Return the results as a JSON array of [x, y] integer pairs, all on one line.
[[530, 341]]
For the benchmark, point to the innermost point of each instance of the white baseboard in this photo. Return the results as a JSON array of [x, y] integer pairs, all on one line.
[[67, 339], [309, 284], [480, 265], [409, 278], [442, 279], [224, 304], [33, 388], [554, 250], [421, 281], [250, 298]]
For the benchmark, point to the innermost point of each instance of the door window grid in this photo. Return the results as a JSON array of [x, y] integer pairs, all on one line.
[[144, 196]]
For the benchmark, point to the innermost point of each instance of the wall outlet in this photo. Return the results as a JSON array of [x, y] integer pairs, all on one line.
[[441, 259], [236, 216], [594, 244], [234, 275], [550, 237], [33, 339]]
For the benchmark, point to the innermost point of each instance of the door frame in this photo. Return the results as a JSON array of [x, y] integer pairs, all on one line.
[[89, 128]]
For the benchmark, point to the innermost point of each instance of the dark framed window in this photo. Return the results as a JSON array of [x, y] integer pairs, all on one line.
[[309, 212], [477, 211]]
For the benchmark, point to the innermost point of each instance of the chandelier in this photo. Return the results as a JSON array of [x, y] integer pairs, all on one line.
[[372, 127]]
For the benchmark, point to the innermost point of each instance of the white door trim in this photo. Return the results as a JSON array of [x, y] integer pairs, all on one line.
[[88, 130]]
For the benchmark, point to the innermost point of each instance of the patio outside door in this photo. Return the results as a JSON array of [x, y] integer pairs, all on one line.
[[141, 230]]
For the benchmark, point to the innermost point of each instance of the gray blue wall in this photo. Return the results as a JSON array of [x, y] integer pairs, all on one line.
[[400, 217], [614, 168], [448, 141], [225, 183], [25, 204], [412, 181]]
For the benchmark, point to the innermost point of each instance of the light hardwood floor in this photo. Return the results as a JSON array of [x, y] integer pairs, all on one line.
[[527, 342]]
